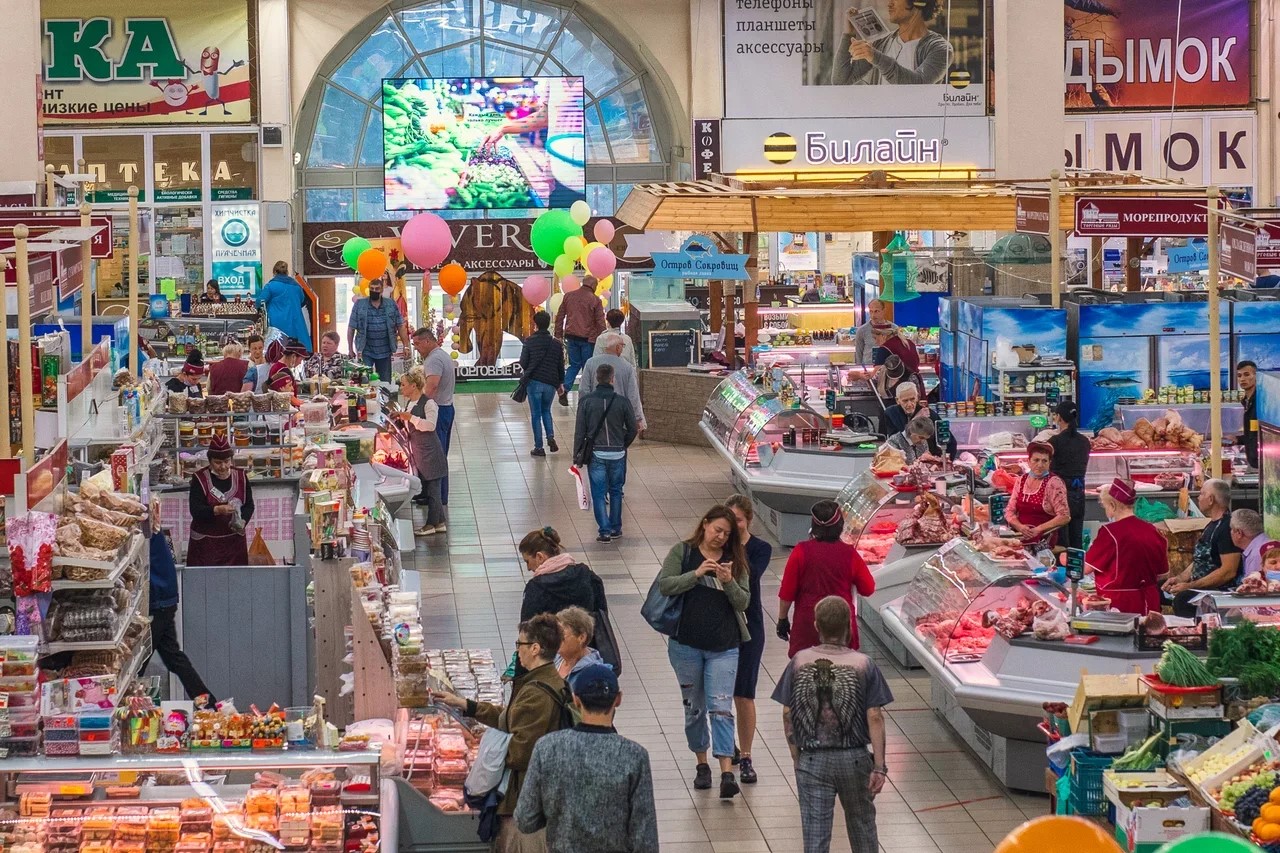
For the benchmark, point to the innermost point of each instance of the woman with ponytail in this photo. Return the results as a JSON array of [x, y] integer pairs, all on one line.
[[559, 580], [820, 566]]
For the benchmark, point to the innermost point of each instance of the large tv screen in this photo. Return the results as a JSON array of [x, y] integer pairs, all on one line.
[[471, 143]]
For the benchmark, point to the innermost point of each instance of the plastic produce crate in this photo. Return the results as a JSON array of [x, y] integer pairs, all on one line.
[[1087, 796]]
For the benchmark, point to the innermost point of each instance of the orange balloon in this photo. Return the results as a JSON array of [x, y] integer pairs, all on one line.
[[453, 278], [371, 263], [1058, 832]]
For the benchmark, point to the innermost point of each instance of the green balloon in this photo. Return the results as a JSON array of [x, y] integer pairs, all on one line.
[[549, 232], [563, 266], [352, 248], [1209, 842]]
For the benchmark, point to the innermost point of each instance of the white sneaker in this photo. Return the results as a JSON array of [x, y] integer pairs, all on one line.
[[440, 528], [425, 530]]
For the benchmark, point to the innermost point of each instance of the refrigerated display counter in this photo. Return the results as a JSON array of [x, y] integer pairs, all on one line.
[[990, 689]]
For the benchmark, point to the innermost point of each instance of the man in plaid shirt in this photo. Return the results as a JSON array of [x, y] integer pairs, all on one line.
[[375, 330]]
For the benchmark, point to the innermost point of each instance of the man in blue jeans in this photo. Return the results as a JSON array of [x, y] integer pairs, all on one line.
[[375, 330], [605, 428]]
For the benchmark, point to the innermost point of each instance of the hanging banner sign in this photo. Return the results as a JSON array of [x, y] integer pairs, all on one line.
[[41, 224], [1238, 251], [1132, 54], [1190, 258], [699, 258], [1197, 148], [706, 147], [237, 248], [1031, 214], [68, 269], [163, 62], [1141, 216]]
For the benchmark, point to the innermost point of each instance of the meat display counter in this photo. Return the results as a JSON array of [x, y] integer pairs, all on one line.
[[771, 443], [990, 688], [873, 509]]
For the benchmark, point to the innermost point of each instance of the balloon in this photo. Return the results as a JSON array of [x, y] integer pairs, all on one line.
[[1208, 842], [604, 231], [371, 264], [361, 289], [426, 240], [536, 289], [563, 266], [554, 304], [352, 249], [591, 247], [569, 284], [453, 278], [602, 262], [454, 355], [580, 212], [573, 248], [1060, 832], [549, 232]]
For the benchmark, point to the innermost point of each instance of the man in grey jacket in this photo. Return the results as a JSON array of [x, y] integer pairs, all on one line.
[[911, 55], [589, 786], [605, 428], [610, 348]]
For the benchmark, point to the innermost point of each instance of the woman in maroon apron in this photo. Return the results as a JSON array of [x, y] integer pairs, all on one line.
[[221, 506], [1128, 555], [280, 377], [1038, 504]]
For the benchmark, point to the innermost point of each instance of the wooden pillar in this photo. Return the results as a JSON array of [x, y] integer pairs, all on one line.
[[1215, 335], [879, 242], [135, 244], [20, 233], [730, 345], [751, 293], [87, 289], [1095, 263], [715, 300], [1133, 264], [1055, 237]]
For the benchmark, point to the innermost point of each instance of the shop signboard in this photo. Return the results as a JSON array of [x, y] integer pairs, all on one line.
[[182, 195], [1135, 54], [1238, 251], [68, 270], [42, 278], [478, 244], [813, 58], [116, 62], [1205, 148], [1031, 214], [1141, 216], [700, 258], [1267, 221], [237, 248], [231, 193], [706, 147], [956, 142], [100, 245], [1189, 258]]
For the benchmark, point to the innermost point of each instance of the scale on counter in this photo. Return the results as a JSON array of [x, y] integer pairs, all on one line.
[[849, 438], [1103, 622]]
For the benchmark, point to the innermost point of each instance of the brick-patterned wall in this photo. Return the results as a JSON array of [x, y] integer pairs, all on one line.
[[673, 404]]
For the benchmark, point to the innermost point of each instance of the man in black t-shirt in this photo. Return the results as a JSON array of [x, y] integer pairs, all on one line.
[[1247, 382], [1216, 564]]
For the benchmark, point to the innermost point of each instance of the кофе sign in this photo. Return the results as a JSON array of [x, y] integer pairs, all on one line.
[[497, 244]]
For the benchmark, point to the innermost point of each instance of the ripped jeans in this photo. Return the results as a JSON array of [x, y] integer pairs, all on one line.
[[706, 686]]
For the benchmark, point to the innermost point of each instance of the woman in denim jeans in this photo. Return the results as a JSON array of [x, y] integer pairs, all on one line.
[[709, 572], [542, 366]]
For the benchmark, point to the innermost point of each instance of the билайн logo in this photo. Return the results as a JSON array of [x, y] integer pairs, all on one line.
[[780, 148]]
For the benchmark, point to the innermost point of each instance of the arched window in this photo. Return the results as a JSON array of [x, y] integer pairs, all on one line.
[[629, 120]]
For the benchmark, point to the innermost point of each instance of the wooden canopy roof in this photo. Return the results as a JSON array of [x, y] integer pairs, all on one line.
[[879, 203]]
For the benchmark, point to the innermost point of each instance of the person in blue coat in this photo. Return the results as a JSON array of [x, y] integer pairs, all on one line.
[[286, 303]]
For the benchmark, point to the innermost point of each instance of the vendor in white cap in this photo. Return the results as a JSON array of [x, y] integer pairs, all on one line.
[[1128, 556]]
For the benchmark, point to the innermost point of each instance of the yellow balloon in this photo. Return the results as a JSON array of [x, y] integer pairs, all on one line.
[[554, 305], [605, 283], [590, 247], [453, 355], [573, 247]]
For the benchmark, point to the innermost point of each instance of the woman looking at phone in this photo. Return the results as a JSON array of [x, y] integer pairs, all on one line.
[[709, 572]]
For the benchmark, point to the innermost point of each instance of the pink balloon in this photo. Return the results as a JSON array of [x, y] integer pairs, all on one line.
[[570, 283], [601, 262], [604, 231], [536, 289], [426, 240]]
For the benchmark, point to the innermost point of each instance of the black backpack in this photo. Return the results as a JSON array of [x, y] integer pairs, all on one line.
[[564, 704]]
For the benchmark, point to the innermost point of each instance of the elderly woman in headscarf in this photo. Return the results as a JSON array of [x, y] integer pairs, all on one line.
[[1128, 556], [1038, 502]]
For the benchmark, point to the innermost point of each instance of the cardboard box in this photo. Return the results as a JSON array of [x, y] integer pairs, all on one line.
[[1124, 790], [1181, 534], [1184, 712], [1144, 825], [1104, 692]]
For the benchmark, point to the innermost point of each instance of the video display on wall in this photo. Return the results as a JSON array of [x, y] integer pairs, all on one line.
[[472, 143]]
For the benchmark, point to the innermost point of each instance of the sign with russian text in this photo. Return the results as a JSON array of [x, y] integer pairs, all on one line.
[[42, 223], [1141, 216], [1238, 251], [817, 58], [1136, 54], [706, 147], [123, 62], [700, 258], [1031, 214], [237, 248], [1268, 257], [1198, 148], [1189, 258]]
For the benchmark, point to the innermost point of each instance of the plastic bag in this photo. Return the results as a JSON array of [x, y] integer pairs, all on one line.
[[1152, 511], [1265, 717], [1051, 625], [259, 553], [1059, 753]]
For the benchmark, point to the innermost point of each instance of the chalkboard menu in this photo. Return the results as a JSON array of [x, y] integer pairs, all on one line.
[[676, 348]]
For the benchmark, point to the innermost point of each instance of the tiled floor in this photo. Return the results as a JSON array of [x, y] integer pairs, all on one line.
[[940, 799]]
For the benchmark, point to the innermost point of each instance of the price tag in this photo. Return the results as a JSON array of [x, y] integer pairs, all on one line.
[[944, 431], [997, 502], [1075, 564]]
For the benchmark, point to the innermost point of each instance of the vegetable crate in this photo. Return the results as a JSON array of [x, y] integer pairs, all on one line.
[[1196, 642], [1087, 796], [1168, 702], [1170, 730]]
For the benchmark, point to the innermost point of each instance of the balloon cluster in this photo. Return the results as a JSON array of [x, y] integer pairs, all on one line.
[[1080, 835], [426, 242], [558, 240]]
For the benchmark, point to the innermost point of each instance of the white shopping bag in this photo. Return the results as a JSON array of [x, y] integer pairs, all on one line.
[[583, 503]]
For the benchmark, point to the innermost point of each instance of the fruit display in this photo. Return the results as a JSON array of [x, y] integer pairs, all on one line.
[[1263, 773]]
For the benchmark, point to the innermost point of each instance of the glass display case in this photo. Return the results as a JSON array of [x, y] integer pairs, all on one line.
[[767, 421], [1158, 467], [952, 601], [1232, 609], [731, 398], [871, 515]]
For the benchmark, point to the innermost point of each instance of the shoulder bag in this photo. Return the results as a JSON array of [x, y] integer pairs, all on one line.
[[521, 392], [582, 454], [663, 612]]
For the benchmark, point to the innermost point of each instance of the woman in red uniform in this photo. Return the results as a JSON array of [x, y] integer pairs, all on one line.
[[221, 506], [820, 566], [1128, 555], [280, 377], [1038, 503]]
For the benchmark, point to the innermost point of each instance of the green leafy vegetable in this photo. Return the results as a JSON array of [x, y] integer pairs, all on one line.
[[1179, 667], [1141, 757], [1250, 653]]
